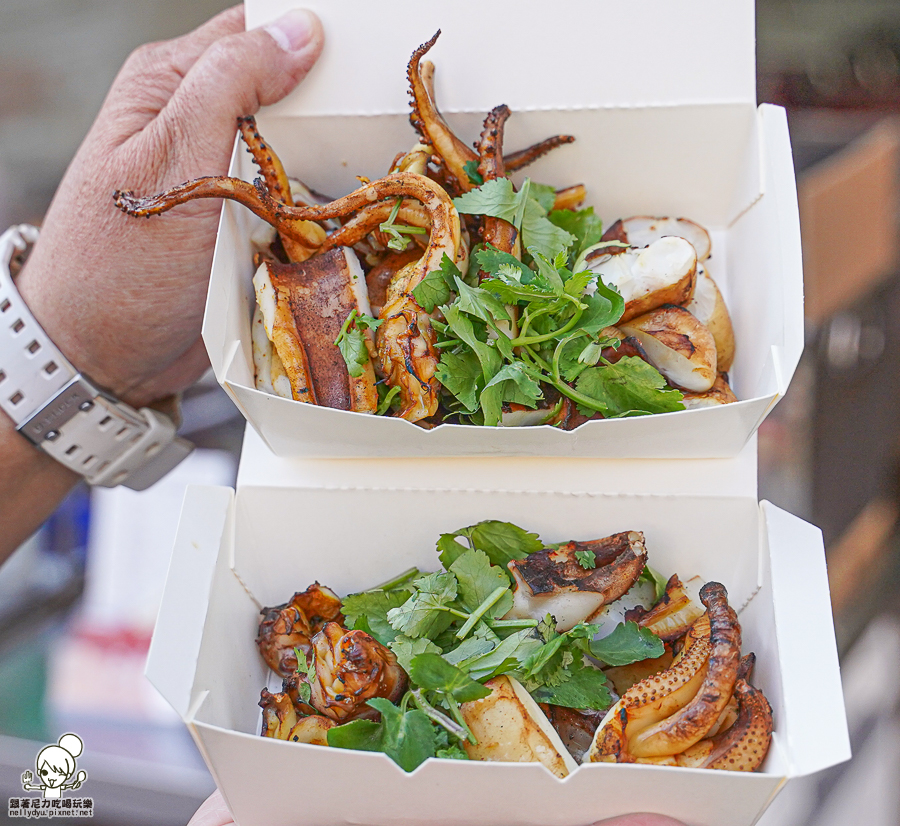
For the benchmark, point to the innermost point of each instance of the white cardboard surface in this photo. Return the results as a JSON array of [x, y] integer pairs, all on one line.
[[281, 539], [507, 51]]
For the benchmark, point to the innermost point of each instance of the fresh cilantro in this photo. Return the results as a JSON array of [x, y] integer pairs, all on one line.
[[435, 289], [461, 375], [306, 671], [472, 173], [630, 387], [424, 614], [432, 672], [407, 737], [352, 344], [627, 644], [387, 398], [586, 559], [501, 541], [659, 582], [511, 383], [469, 648], [396, 232], [373, 607], [585, 687], [406, 649], [445, 749], [506, 656], [583, 224], [478, 579], [545, 195]]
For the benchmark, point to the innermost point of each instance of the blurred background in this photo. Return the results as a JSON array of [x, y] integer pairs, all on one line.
[[78, 601]]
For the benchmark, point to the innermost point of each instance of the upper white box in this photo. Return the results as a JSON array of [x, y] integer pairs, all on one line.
[[661, 100]]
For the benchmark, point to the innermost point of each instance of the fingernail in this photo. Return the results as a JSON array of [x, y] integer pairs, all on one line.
[[292, 31]]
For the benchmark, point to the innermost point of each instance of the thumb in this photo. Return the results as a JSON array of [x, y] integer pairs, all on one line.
[[239, 73]]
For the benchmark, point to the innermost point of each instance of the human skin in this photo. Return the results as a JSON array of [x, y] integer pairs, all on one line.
[[214, 812], [123, 299]]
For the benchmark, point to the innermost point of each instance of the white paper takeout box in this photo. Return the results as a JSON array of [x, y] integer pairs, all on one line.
[[237, 552], [661, 99]]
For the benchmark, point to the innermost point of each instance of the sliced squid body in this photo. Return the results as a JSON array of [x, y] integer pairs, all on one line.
[[678, 345], [511, 728], [663, 273], [303, 306], [720, 393], [678, 609], [554, 582], [643, 230], [709, 308]]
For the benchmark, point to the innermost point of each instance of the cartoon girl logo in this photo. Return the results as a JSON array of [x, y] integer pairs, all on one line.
[[55, 765]]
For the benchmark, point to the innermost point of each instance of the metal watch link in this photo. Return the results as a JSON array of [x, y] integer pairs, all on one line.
[[61, 411]]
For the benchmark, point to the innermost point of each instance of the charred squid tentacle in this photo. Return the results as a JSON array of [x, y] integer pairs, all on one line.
[[428, 122], [307, 235], [268, 162], [524, 157], [688, 725], [496, 231]]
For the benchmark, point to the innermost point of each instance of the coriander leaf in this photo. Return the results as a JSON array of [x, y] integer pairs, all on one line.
[[629, 387], [432, 290], [496, 198], [480, 303], [423, 614], [503, 541], [461, 375], [386, 397], [453, 752], [361, 735], [577, 283], [491, 261], [659, 582], [367, 322], [510, 384], [548, 271], [470, 647], [604, 307], [570, 366], [433, 673], [478, 579], [406, 649], [586, 559], [407, 737], [544, 194], [472, 173], [464, 330], [507, 656], [374, 607], [449, 549], [627, 644], [541, 657], [583, 224], [304, 690], [585, 688], [352, 344], [540, 234]]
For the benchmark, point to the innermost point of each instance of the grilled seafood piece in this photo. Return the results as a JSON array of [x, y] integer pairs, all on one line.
[[511, 728], [678, 345], [666, 714], [554, 582], [675, 612], [312, 730], [643, 230], [352, 668], [312, 300], [719, 393], [708, 306], [431, 126], [663, 273], [293, 625], [575, 727], [279, 715]]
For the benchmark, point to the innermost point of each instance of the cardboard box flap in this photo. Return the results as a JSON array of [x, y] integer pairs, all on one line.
[[815, 727], [203, 529], [526, 54]]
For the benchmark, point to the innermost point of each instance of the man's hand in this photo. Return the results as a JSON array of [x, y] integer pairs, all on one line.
[[122, 298]]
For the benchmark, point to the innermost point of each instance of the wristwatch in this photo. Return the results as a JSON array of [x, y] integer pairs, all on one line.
[[62, 411]]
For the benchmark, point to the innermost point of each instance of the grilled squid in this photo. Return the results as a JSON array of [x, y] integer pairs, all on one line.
[[643, 230], [555, 582], [665, 714], [351, 668], [294, 624]]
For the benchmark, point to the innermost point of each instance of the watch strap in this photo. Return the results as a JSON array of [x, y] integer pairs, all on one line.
[[62, 411]]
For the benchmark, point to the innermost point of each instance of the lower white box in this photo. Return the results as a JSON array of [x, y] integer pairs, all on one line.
[[237, 552]]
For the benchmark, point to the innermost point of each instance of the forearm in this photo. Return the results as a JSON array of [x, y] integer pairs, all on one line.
[[32, 484]]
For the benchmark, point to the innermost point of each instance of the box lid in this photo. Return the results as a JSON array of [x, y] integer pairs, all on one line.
[[526, 53]]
